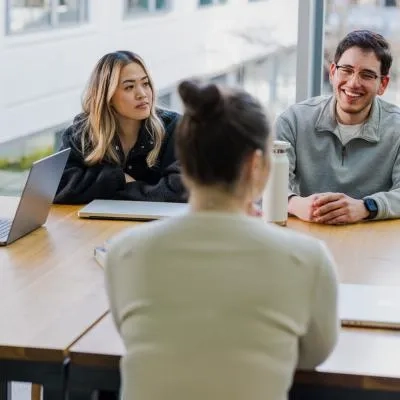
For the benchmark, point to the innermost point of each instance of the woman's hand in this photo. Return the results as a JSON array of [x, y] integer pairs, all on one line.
[[128, 178], [254, 210]]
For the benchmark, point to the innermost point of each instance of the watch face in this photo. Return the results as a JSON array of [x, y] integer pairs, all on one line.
[[371, 205]]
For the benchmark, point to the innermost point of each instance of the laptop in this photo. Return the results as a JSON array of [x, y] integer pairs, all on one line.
[[36, 199], [132, 210], [369, 306]]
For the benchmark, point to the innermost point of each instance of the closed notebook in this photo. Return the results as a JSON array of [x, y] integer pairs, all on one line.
[[132, 210], [370, 306]]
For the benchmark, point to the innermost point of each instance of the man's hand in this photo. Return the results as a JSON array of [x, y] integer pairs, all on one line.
[[253, 210], [338, 208], [128, 178], [303, 207]]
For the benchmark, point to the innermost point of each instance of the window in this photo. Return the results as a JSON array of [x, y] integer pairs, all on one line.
[[381, 16], [29, 15], [17, 156], [219, 79], [239, 76], [211, 2], [165, 100], [134, 7]]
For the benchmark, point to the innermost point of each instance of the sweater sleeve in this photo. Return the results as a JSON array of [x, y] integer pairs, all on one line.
[[169, 188], [389, 202], [81, 183], [112, 263], [323, 328], [121, 280]]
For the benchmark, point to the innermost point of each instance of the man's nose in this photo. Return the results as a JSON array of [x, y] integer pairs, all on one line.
[[355, 79]]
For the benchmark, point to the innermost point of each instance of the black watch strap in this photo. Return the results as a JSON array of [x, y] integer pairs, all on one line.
[[372, 207]]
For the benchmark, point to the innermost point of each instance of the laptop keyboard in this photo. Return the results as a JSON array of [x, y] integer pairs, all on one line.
[[5, 226]]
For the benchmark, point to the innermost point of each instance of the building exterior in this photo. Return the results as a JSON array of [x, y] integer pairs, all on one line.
[[49, 47]]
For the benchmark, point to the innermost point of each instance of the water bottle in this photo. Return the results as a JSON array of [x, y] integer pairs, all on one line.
[[275, 196]]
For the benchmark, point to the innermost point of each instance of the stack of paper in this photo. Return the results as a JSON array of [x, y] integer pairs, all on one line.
[[100, 253]]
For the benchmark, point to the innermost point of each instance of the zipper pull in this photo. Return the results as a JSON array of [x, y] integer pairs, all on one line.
[[343, 153]]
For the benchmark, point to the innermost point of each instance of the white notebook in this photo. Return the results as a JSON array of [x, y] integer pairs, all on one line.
[[369, 306], [100, 253]]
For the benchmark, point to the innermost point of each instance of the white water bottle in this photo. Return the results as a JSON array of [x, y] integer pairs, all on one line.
[[275, 197]]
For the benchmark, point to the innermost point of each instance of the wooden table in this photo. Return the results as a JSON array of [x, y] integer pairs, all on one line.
[[52, 292], [366, 253], [364, 360]]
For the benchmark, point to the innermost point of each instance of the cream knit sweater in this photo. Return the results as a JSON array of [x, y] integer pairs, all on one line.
[[215, 306]]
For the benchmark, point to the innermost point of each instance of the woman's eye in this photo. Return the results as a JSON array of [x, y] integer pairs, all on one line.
[[146, 83], [128, 87]]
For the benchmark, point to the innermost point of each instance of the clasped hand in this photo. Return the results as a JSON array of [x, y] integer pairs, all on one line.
[[328, 208], [128, 178]]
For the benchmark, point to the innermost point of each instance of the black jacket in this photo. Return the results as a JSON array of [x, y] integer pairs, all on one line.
[[81, 183]]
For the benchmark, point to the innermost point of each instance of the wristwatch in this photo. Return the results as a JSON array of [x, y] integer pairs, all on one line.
[[371, 206]]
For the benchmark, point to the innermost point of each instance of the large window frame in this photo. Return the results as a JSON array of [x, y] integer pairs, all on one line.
[[54, 12], [310, 45]]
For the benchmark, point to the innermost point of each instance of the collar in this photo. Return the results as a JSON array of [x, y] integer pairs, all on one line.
[[145, 140], [144, 143], [327, 121]]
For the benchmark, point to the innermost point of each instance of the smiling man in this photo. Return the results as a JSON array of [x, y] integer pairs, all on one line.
[[345, 148]]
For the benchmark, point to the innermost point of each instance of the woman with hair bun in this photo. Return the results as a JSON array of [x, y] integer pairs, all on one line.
[[122, 145], [217, 304]]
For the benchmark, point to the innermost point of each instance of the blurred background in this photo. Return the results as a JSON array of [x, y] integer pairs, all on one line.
[[49, 47]]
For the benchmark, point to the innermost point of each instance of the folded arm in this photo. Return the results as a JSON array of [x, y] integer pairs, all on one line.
[[168, 188], [81, 183]]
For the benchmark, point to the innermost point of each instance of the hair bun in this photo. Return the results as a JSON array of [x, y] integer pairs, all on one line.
[[201, 101]]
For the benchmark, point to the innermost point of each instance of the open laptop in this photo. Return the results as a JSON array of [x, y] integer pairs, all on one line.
[[132, 210], [369, 306], [36, 199]]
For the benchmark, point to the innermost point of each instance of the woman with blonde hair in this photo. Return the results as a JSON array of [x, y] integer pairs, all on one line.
[[122, 144], [217, 304]]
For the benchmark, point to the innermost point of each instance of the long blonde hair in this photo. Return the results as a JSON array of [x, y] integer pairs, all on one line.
[[100, 124]]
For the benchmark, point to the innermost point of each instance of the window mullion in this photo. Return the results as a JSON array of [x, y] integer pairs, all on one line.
[[8, 16], [152, 5], [54, 13], [82, 10]]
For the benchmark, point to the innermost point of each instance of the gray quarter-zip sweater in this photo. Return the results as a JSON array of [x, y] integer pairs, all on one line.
[[367, 166]]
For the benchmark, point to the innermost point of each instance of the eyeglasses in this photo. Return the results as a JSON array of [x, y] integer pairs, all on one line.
[[346, 72]]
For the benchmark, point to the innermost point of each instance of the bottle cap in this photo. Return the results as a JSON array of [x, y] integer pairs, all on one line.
[[280, 146]]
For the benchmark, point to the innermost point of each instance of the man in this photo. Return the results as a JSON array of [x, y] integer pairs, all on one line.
[[345, 148]]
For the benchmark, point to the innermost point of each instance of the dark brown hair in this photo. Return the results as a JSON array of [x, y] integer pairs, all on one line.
[[218, 130], [367, 41]]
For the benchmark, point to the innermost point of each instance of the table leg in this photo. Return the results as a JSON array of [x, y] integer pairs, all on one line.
[[53, 393], [5, 390], [80, 394], [36, 391], [105, 395]]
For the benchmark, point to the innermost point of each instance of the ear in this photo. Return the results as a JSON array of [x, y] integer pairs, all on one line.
[[332, 69], [260, 165], [383, 84], [256, 161]]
